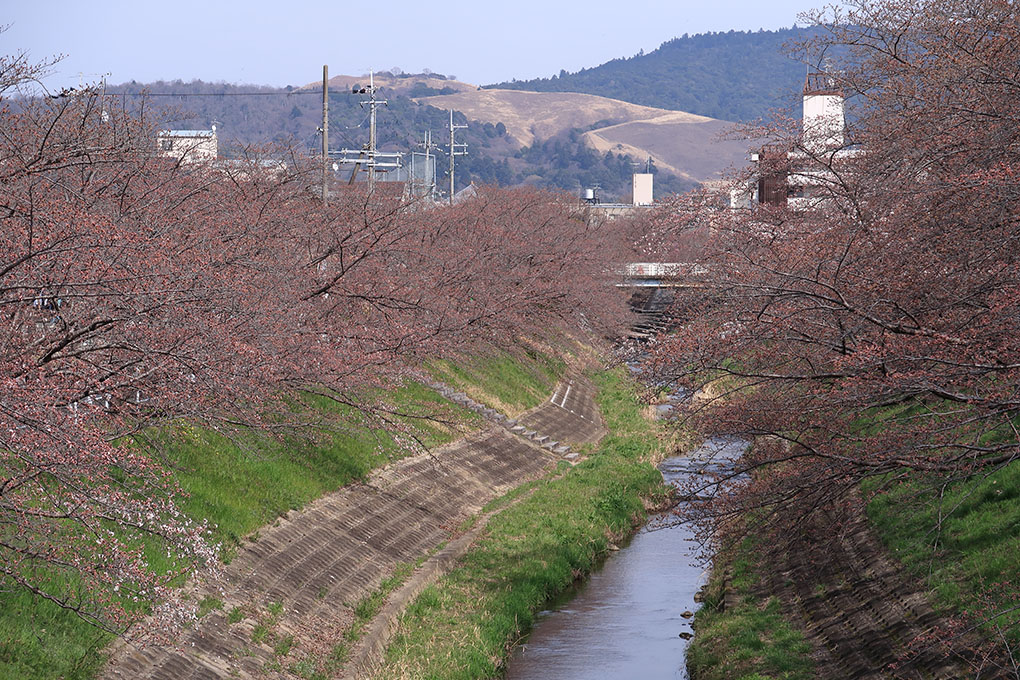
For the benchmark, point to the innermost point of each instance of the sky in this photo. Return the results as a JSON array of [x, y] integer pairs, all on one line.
[[287, 43]]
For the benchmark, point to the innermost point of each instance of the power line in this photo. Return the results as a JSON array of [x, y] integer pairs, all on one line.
[[220, 94], [369, 156], [69, 93]]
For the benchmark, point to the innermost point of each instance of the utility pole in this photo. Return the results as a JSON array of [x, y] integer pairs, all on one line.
[[369, 157], [429, 181], [371, 128], [372, 103], [454, 150], [104, 115], [325, 135]]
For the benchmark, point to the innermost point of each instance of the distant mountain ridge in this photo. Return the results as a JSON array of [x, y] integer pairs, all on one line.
[[251, 114], [653, 107], [408, 84], [736, 76]]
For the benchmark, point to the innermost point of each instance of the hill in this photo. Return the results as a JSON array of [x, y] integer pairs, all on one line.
[[695, 150], [569, 131], [248, 114], [540, 115], [739, 75], [683, 144], [409, 84]]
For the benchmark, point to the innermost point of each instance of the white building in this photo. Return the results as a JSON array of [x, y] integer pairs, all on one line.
[[641, 199], [801, 178], [190, 146], [824, 118], [642, 188]]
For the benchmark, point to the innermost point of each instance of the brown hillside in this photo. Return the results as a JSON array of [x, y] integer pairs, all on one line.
[[693, 150], [541, 115], [681, 143]]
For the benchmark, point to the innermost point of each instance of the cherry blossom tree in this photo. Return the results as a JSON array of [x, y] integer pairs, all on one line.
[[875, 333], [138, 289]]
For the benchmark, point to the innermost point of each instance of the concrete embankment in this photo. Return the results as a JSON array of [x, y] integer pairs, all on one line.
[[861, 614], [289, 595], [545, 537]]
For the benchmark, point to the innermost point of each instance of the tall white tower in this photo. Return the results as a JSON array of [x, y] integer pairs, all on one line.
[[642, 188], [824, 119]]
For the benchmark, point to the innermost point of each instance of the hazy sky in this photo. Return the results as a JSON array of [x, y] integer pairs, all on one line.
[[286, 43]]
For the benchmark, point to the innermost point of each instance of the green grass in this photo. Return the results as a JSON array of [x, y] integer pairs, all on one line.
[[41, 640], [968, 558], [237, 484], [960, 539], [209, 604], [418, 407], [364, 611], [507, 382], [750, 640], [245, 481], [464, 625]]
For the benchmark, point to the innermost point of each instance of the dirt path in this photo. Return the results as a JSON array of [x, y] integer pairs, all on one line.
[[865, 617], [292, 592]]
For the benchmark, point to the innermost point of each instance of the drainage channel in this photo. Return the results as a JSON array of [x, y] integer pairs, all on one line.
[[632, 617]]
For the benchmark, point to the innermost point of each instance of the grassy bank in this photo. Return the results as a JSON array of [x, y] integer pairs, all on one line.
[[510, 383], [244, 481], [240, 483], [962, 539], [748, 638], [464, 625], [958, 538]]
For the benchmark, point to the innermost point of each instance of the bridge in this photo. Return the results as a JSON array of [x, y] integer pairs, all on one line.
[[660, 275], [652, 297]]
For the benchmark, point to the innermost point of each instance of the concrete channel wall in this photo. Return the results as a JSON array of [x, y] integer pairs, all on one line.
[[304, 575]]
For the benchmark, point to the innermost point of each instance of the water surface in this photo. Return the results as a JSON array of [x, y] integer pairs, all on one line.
[[626, 620]]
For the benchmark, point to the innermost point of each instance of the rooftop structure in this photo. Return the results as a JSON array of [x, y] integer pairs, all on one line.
[[800, 178], [189, 146]]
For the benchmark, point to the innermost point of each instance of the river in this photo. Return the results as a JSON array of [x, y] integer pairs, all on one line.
[[626, 620]]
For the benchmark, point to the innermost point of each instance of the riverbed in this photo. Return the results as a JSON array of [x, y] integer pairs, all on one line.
[[628, 619]]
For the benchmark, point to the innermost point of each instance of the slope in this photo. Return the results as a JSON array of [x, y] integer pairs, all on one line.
[[540, 115], [736, 76], [686, 145]]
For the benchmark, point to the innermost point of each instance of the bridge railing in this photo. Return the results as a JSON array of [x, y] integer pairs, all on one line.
[[661, 270]]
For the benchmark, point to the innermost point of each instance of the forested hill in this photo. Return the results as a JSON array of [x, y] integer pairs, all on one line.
[[253, 114], [736, 76]]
